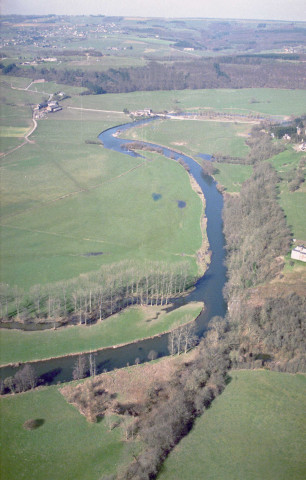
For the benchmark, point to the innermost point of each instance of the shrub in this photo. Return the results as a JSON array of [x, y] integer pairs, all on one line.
[[33, 423]]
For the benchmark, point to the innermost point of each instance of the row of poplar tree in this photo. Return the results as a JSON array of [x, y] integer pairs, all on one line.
[[97, 295]]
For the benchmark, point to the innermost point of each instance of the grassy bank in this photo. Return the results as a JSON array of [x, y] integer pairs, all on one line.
[[196, 136], [254, 430], [129, 325]]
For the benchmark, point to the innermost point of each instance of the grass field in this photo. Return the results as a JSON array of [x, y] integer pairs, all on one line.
[[293, 203], [52, 87], [270, 101], [131, 324], [195, 136], [19, 82], [253, 431], [101, 64], [286, 160], [64, 447], [63, 198], [231, 177], [15, 116]]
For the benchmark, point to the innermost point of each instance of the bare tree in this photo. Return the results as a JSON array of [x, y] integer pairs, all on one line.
[[80, 366], [181, 339], [92, 365], [9, 382], [25, 378], [189, 337], [18, 295], [152, 355]]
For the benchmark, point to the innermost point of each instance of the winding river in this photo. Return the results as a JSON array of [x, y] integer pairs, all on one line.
[[208, 288]]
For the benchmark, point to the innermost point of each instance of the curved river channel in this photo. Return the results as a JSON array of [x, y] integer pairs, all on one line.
[[207, 289]]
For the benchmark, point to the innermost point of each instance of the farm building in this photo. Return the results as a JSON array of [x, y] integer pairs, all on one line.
[[299, 253], [146, 112]]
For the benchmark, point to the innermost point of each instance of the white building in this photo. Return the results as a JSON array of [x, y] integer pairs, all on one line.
[[299, 253]]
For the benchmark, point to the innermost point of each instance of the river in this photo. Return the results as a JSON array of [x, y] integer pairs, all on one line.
[[208, 288]]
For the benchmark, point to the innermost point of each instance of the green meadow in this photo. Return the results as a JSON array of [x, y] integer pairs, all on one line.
[[52, 87], [231, 176], [17, 82], [64, 447], [131, 324], [293, 203], [63, 198], [269, 101], [193, 137], [100, 64], [254, 430], [15, 116], [196, 136]]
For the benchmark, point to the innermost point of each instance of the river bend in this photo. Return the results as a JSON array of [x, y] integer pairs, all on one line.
[[207, 289]]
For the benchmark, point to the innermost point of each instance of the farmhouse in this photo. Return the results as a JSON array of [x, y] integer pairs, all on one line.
[[299, 253], [146, 112], [50, 107], [53, 107]]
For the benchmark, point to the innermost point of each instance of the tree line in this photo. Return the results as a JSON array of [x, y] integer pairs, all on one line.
[[169, 409], [96, 295], [255, 230], [261, 147], [179, 75]]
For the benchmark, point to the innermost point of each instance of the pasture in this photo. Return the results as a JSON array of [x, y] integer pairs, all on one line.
[[63, 199], [268, 101], [131, 324], [100, 64], [65, 446], [253, 430], [231, 176], [293, 203], [194, 137]]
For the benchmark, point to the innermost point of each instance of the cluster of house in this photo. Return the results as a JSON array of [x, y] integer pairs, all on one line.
[[48, 107], [299, 253]]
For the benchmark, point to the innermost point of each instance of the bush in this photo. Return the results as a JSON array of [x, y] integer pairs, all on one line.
[[33, 423]]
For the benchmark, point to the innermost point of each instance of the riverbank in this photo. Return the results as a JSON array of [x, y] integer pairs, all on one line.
[[208, 288], [133, 324]]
